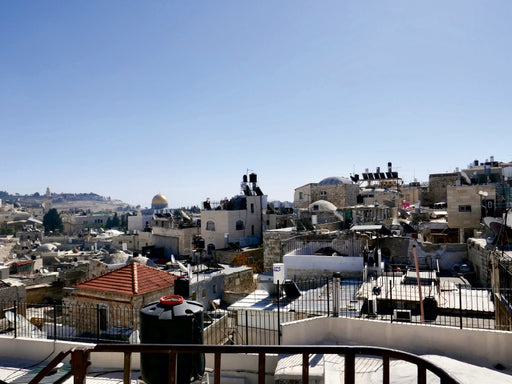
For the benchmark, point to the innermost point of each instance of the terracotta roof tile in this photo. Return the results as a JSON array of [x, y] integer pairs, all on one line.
[[22, 262], [132, 279]]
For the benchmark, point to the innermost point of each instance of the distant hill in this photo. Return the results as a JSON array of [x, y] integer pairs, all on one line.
[[61, 201]]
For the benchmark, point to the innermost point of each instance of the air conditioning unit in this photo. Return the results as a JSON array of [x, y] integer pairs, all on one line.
[[402, 315]]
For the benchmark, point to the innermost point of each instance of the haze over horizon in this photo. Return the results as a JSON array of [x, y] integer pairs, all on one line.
[[129, 99]]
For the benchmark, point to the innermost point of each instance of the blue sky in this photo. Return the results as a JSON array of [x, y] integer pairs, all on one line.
[[132, 98]]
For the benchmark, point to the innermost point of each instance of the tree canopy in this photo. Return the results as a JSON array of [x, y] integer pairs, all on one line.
[[52, 221]]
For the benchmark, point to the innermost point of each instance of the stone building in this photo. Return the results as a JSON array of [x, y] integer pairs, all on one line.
[[237, 221], [174, 233], [339, 191], [74, 223], [115, 298]]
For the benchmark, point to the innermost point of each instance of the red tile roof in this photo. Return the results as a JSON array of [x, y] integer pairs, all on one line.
[[22, 262], [132, 279]]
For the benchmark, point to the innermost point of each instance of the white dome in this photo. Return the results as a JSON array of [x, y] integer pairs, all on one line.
[[323, 206]]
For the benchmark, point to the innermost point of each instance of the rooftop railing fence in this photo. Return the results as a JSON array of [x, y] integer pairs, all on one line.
[[387, 298]]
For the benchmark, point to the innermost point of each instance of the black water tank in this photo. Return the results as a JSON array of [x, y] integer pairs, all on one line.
[[172, 320], [182, 286], [430, 308]]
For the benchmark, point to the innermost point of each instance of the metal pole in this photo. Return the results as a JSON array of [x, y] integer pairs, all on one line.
[[278, 314], [98, 322], [391, 296], [15, 320], [54, 322], [328, 295], [246, 328], [419, 283], [336, 294], [460, 305]]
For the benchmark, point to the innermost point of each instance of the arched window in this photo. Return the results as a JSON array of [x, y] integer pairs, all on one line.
[[240, 225], [210, 226]]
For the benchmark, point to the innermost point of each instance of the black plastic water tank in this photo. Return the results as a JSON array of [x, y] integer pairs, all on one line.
[[430, 308], [182, 286], [172, 320]]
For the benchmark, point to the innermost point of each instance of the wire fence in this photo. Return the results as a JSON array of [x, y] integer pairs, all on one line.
[[393, 298]]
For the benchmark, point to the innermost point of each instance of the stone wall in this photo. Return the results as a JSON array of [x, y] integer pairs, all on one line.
[[438, 184], [399, 251], [479, 256], [44, 293], [240, 281], [272, 247]]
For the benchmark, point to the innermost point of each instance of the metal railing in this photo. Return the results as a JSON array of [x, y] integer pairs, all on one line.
[[80, 360], [259, 323]]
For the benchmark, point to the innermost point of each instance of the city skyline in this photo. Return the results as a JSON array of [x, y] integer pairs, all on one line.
[[128, 99]]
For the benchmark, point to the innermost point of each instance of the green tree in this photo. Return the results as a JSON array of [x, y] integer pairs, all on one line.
[[115, 221], [52, 221]]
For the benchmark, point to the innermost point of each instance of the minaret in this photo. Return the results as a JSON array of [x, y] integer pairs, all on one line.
[[47, 204]]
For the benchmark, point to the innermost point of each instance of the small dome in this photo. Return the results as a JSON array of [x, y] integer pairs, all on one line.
[[334, 180], [159, 202], [322, 206]]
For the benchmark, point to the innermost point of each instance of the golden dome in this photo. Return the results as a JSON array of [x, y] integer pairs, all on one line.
[[159, 200]]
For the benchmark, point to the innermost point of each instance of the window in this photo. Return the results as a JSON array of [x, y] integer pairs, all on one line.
[[323, 194], [240, 225], [252, 207], [301, 195], [252, 229], [214, 288], [210, 226], [464, 208], [203, 292], [194, 296]]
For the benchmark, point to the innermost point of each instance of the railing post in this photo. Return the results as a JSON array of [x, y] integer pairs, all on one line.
[[172, 367], [350, 367], [391, 297], [261, 368], [278, 314], [127, 370], [460, 305], [305, 368], [217, 367], [246, 327], [336, 294], [15, 319], [79, 364], [328, 301], [422, 375], [98, 323], [385, 370], [54, 322]]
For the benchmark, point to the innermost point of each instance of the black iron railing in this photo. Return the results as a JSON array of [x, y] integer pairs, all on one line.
[[259, 323]]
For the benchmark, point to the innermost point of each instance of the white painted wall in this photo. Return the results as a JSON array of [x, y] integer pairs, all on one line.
[[321, 263], [43, 349], [484, 348]]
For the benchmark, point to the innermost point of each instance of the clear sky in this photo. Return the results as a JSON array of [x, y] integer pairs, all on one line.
[[132, 98]]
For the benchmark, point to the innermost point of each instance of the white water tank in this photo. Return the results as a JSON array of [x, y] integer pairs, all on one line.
[[278, 273]]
